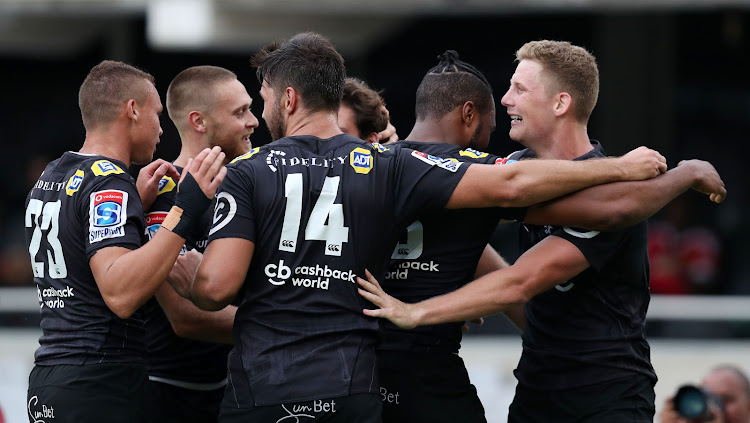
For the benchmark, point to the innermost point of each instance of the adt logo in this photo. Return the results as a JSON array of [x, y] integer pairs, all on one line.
[[361, 160]]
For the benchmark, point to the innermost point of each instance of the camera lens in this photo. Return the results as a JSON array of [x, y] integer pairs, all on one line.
[[691, 402]]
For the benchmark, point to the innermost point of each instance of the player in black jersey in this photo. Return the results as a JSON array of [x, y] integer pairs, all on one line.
[[210, 107], [585, 357], [84, 226], [298, 219]]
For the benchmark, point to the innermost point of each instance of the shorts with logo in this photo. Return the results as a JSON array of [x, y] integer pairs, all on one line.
[[112, 393], [427, 387], [623, 400], [357, 408], [173, 404]]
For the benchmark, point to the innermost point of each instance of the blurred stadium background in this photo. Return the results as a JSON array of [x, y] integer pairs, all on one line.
[[673, 77]]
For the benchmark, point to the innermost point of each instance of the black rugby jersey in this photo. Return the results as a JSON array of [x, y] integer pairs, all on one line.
[[319, 212], [171, 356], [437, 254], [590, 329], [82, 203]]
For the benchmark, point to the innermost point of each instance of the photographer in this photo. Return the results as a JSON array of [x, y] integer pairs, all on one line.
[[728, 398]]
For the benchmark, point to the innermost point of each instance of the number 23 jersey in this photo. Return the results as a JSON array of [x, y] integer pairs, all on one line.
[[81, 204], [319, 212]]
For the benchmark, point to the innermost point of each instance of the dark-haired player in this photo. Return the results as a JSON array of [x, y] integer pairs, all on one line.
[[186, 359], [299, 218], [362, 112], [585, 357], [84, 227]]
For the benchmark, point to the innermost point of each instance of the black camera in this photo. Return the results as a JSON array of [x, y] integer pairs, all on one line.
[[695, 403]]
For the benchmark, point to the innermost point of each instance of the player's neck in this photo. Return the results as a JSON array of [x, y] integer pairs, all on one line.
[[429, 130], [190, 148], [564, 144], [108, 144], [318, 124]]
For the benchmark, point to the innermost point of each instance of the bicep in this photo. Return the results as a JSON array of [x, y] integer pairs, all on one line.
[[225, 264], [474, 190], [101, 261], [490, 261]]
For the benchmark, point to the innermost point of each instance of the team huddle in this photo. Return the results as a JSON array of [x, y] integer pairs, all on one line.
[[326, 276]]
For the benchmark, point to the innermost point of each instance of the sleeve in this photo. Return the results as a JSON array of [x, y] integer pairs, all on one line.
[[597, 247], [234, 214], [423, 182], [114, 215]]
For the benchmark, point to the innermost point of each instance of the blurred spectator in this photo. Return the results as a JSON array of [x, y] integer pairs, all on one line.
[[730, 385], [685, 258]]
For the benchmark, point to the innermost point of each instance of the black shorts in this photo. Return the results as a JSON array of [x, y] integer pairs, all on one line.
[[172, 404], [112, 393], [427, 387], [624, 400], [357, 408]]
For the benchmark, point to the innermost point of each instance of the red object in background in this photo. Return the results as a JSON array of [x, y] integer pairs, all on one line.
[[2, 419]]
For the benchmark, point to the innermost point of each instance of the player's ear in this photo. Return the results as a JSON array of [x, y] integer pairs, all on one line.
[[373, 137], [131, 110], [290, 99], [469, 113], [197, 121], [563, 103]]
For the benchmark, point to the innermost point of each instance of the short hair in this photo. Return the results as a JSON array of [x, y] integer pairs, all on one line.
[[451, 84], [193, 89], [107, 86], [367, 104], [573, 70], [741, 376], [310, 64]]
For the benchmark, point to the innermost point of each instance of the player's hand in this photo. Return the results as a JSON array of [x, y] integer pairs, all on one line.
[[708, 179], [183, 272], [643, 163], [207, 168], [399, 313], [478, 322], [388, 134], [149, 177]]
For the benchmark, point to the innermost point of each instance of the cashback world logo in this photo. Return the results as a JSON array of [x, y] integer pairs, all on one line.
[[317, 276]]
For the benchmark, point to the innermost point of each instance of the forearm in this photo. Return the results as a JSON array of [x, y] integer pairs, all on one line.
[[490, 261], [613, 206], [189, 321], [133, 277], [517, 315]]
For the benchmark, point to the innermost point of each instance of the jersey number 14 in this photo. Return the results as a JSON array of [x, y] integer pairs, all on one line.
[[334, 233]]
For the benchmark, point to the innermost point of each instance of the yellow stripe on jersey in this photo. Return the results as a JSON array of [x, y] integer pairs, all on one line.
[[246, 156]]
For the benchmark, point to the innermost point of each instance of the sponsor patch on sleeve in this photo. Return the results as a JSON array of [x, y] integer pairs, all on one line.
[[504, 160], [360, 160], [474, 154], [447, 164], [74, 183], [247, 155], [153, 222], [166, 184], [105, 167], [108, 213]]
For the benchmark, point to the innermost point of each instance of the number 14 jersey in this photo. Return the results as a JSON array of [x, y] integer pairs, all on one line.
[[319, 212]]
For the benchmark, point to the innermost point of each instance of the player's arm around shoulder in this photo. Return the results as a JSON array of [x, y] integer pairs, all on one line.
[[128, 278], [528, 182], [549, 263]]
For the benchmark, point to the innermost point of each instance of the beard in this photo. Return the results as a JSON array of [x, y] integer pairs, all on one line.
[[476, 142], [275, 123]]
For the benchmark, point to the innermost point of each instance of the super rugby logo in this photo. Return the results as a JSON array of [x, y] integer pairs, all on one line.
[[447, 164], [504, 160], [107, 214], [360, 160]]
